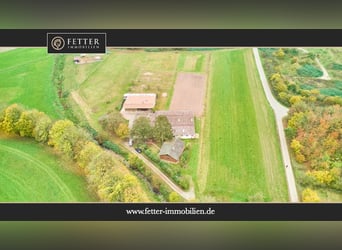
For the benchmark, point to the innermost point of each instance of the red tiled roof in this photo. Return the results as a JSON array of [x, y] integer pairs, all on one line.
[[139, 101]]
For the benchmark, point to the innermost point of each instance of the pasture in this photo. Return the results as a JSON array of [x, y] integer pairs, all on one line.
[[26, 78], [29, 172], [239, 156], [102, 84]]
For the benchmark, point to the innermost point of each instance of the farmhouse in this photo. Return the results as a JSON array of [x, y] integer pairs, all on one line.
[[182, 123], [172, 151], [139, 102]]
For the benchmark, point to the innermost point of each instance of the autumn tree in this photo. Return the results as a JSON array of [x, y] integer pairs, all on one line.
[[11, 116], [174, 197], [135, 163], [162, 130], [27, 122], [280, 53], [42, 126], [88, 153], [141, 130], [112, 121], [59, 136], [122, 130], [309, 195], [127, 190]]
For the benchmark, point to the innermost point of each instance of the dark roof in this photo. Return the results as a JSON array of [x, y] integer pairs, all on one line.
[[174, 149]]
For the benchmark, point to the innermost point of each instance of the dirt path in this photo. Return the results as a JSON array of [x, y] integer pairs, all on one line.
[[4, 49], [325, 75], [280, 112], [188, 195], [82, 104]]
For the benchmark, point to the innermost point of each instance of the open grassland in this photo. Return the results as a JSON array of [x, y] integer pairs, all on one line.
[[26, 78], [30, 173], [240, 158]]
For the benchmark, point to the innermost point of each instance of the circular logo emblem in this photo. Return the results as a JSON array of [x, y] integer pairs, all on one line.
[[57, 43]]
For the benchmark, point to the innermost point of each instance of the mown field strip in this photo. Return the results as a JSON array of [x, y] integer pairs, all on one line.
[[28, 173], [234, 141]]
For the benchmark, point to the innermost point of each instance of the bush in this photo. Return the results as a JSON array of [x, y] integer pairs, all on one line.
[[308, 70], [337, 66], [115, 148], [338, 84], [331, 92]]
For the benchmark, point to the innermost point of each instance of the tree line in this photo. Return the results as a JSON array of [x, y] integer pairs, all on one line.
[[102, 170]]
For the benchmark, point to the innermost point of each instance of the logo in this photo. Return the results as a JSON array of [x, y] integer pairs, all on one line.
[[76, 42], [58, 43]]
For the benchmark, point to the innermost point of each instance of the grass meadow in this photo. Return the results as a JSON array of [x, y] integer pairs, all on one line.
[[29, 172], [240, 158], [25, 78]]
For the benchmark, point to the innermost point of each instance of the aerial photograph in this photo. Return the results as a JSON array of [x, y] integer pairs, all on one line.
[[200, 125]]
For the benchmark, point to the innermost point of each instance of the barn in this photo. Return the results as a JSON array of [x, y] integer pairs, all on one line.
[[139, 102], [172, 151]]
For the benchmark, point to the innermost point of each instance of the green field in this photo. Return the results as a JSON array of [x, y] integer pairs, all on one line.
[[30, 173], [26, 78], [240, 158]]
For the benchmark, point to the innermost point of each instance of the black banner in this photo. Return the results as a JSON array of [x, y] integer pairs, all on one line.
[[185, 37], [170, 212], [76, 42]]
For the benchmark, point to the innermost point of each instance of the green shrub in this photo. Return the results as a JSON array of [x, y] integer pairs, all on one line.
[[338, 84], [337, 66], [331, 92], [267, 51], [307, 87], [115, 148], [307, 70]]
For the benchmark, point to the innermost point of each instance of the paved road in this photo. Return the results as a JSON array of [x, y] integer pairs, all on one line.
[[280, 112], [188, 195]]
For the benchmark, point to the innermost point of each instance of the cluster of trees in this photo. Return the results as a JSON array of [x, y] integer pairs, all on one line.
[[142, 129], [315, 134], [281, 65], [115, 124], [102, 170]]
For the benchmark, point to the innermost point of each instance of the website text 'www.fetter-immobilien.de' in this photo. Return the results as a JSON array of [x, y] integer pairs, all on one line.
[[167, 211]]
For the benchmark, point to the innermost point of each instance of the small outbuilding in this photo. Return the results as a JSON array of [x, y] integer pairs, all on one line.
[[172, 151]]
